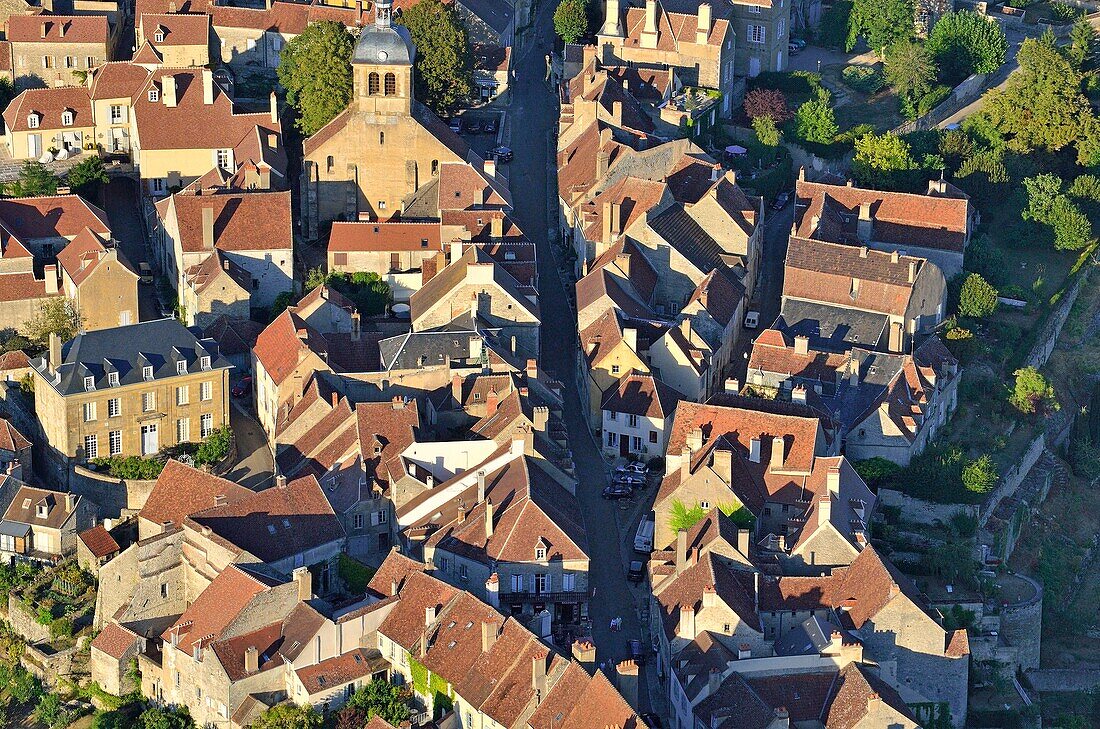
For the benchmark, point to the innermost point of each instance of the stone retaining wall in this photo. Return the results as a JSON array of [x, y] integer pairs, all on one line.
[[116, 497], [919, 511]]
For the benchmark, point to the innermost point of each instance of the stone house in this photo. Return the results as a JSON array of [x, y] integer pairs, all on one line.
[[111, 652], [128, 391], [111, 87], [611, 346], [16, 451], [395, 250], [180, 491], [217, 287], [492, 70], [95, 547], [177, 40], [99, 280], [49, 50], [252, 230], [936, 226], [763, 33], [637, 416], [48, 120], [42, 524]]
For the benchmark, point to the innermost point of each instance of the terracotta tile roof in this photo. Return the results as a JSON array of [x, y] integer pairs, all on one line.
[[852, 695], [16, 359], [828, 273], [279, 348], [395, 569], [49, 105], [905, 219], [276, 523], [233, 335], [20, 286], [364, 236], [84, 253], [51, 216], [10, 437], [641, 394], [719, 294], [405, 623], [736, 706], [628, 258], [489, 57], [286, 18], [681, 164], [203, 275], [647, 84], [214, 609], [276, 644], [601, 288], [24, 507], [99, 541], [803, 695], [709, 571], [58, 29], [181, 490], [341, 670], [635, 197], [191, 124], [673, 29], [771, 354], [146, 7], [146, 55], [384, 431], [958, 644], [114, 640], [609, 93], [179, 29], [6, 62], [117, 80], [577, 163], [441, 286], [243, 221], [601, 337], [462, 186]]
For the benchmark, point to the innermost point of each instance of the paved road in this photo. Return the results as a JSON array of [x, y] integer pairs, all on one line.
[[122, 203], [254, 468], [532, 140]]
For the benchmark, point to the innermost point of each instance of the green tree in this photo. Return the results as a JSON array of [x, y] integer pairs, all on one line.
[[163, 718], [683, 516], [381, 699], [876, 471], [282, 301], [315, 70], [816, 122], [86, 176], [1047, 204], [49, 711], [1042, 191], [1042, 105], [571, 20], [34, 179], [290, 716], [879, 159], [214, 447], [1032, 392], [910, 69], [7, 92], [978, 298], [980, 475], [57, 315], [880, 22], [315, 277], [965, 42], [767, 133], [1082, 40], [444, 64]]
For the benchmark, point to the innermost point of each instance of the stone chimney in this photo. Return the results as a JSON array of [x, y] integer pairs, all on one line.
[[50, 276], [70, 502], [617, 113], [488, 519], [685, 463], [714, 681], [912, 270], [207, 228], [778, 455], [480, 486], [723, 463], [685, 628], [743, 541], [630, 337], [45, 29], [207, 87], [603, 159], [540, 417], [304, 579], [584, 651], [55, 351], [824, 509], [832, 480], [273, 107], [611, 222], [490, 167], [649, 30], [681, 550], [280, 481], [626, 675], [168, 90], [538, 678], [703, 31], [798, 394], [695, 439], [496, 227], [356, 326], [492, 402], [531, 369], [488, 635], [754, 450], [801, 344], [865, 225], [710, 596], [612, 25], [492, 590], [456, 388], [251, 659]]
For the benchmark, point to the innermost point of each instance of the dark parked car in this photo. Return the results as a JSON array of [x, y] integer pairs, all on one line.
[[636, 573], [489, 126], [242, 388], [617, 491], [781, 200], [474, 127], [456, 125], [652, 721], [502, 154], [637, 651]]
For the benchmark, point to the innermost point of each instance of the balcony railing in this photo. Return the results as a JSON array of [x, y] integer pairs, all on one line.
[[513, 598]]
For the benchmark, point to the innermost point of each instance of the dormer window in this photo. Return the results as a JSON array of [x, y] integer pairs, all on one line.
[[42, 509], [540, 552], [154, 95], [147, 373], [204, 363], [89, 384], [32, 121], [181, 368], [67, 118], [112, 379], [158, 37]]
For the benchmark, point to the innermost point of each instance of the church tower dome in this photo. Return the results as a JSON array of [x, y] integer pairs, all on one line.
[[384, 44]]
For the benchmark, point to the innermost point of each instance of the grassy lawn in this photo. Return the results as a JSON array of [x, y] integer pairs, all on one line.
[[856, 107]]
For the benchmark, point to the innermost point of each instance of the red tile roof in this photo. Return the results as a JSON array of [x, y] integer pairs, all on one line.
[[117, 80], [182, 490], [641, 394], [48, 105], [16, 359], [364, 236], [243, 221], [20, 286], [179, 29], [340, 670], [673, 29], [58, 29], [114, 640], [51, 216], [84, 253], [214, 609], [99, 541], [770, 353], [10, 437]]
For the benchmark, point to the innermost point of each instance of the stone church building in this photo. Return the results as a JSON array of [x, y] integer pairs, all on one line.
[[384, 146]]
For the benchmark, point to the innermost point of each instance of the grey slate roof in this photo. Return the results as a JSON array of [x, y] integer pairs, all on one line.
[[127, 350], [806, 639], [391, 45], [831, 328], [681, 232], [420, 349], [497, 14]]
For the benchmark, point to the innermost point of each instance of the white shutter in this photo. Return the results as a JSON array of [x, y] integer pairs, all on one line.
[[374, 518]]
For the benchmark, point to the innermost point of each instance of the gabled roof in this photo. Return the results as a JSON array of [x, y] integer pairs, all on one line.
[[51, 216], [48, 106], [115, 640], [772, 354], [233, 335], [276, 644], [215, 608], [373, 236], [180, 29], [147, 55], [674, 30], [85, 252], [732, 587], [16, 359], [10, 437], [440, 288], [719, 294], [202, 275], [630, 262], [98, 541], [385, 430], [243, 221], [58, 29], [24, 507], [182, 490], [643, 395], [117, 80]]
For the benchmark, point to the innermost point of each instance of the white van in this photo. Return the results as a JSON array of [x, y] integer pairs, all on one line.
[[643, 540]]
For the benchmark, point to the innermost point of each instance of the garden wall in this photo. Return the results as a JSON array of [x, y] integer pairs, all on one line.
[[50, 666], [971, 88], [116, 497], [1051, 329], [920, 511], [1011, 480], [24, 623]]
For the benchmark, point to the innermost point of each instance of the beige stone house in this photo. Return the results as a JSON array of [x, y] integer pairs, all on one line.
[[49, 50], [99, 280], [219, 286], [16, 450], [128, 391], [763, 35], [42, 524], [48, 120], [177, 40], [637, 416], [612, 346]]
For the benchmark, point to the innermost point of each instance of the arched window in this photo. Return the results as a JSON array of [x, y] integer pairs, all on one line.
[[391, 84], [372, 83], [435, 167], [381, 138], [330, 162], [66, 118]]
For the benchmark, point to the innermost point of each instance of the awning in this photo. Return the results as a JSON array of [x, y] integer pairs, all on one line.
[[14, 528]]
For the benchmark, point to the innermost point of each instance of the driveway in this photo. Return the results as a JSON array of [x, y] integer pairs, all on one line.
[[254, 468], [534, 166], [122, 203], [814, 58]]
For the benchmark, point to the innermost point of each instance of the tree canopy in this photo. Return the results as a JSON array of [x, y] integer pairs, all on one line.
[[910, 69], [978, 298], [964, 42], [382, 699], [767, 133], [878, 159], [315, 70], [771, 103], [1032, 393], [816, 122], [571, 20], [1047, 204], [880, 22], [57, 315], [289, 716], [444, 64], [34, 179], [87, 175]]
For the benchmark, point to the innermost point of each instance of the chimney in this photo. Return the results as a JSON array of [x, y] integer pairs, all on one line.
[[456, 388], [488, 519], [617, 113], [356, 326], [710, 596], [207, 86], [273, 106], [492, 590], [863, 251], [865, 225], [802, 174], [280, 481], [912, 270], [208, 228], [650, 27], [496, 226], [815, 220], [685, 328], [225, 264], [251, 659], [603, 161], [584, 650], [488, 636], [715, 172], [393, 587], [55, 351], [798, 394], [538, 678], [777, 453], [685, 463], [612, 222], [70, 502], [681, 550], [50, 275], [723, 463], [824, 509], [429, 615], [304, 579], [714, 680], [743, 541], [480, 486], [754, 450], [894, 256], [532, 369], [703, 31], [45, 29], [695, 439], [801, 344], [832, 480], [490, 167], [685, 628], [540, 417], [168, 89], [630, 337], [611, 23], [492, 402], [731, 176], [335, 398]]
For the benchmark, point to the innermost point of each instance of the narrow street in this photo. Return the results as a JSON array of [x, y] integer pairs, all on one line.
[[122, 203], [531, 173]]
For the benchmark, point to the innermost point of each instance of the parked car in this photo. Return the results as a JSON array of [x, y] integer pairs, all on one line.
[[637, 651], [617, 491], [633, 467], [636, 573], [781, 200], [793, 50], [652, 721], [474, 127], [801, 43], [643, 538], [752, 320], [242, 388], [145, 273], [489, 126], [502, 154], [456, 125], [628, 480]]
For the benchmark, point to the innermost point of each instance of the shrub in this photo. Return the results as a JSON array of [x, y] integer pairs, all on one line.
[[816, 120], [61, 628], [215, 447], [1032, 393], [867, 79], [45, 616], [354, 573], [770, 103], [964, 524], [130, 467], [980, 475], [875, 470], [1086, 187], [766, 131], [1065, 13], [978, 299]]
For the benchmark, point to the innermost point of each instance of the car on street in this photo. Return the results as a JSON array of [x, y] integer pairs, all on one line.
[[145, 273], [793, 50], [456, 125], [652, 721], [502, 154], [489, 126], [617, 491], [474, 127], [623, 478], [633, 467], [781, 200], [242, 388], [636, 573], [798, 42], [637, 651], [752, 320]]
